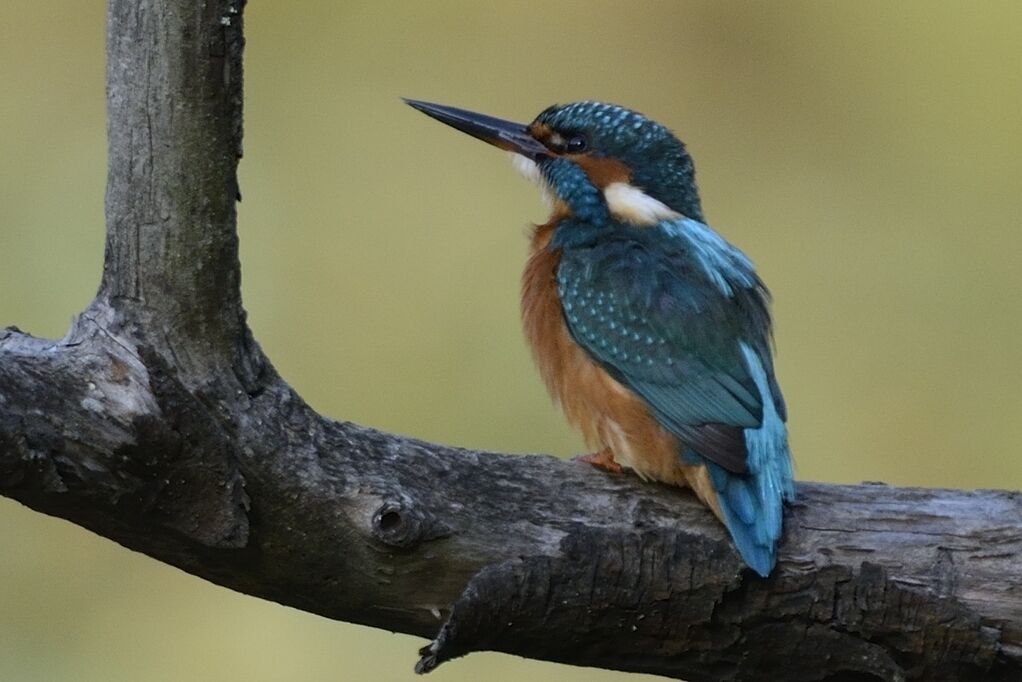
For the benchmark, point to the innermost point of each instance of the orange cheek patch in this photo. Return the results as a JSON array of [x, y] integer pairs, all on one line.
[[602, 171]]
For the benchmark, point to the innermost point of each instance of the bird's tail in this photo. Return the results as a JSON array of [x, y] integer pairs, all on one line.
[[752, 504], [752, 507]]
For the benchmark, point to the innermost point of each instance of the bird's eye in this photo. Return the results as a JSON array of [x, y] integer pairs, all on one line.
[[576, 144]]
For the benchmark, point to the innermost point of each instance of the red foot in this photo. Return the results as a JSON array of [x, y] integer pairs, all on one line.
[[601, 460]]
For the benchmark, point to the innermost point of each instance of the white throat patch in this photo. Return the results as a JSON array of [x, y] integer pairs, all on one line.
[[530, 171], [629, 203]]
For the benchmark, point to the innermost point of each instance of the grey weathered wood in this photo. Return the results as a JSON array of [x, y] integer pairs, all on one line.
[[158, 422]]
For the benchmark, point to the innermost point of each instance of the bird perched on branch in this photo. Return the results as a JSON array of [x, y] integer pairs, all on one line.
[[650, 330]]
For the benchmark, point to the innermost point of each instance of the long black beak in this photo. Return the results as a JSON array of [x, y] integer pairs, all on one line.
[[513, 137]]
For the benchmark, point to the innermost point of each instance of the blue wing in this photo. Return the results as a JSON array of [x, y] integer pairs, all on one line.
[[680, 317]]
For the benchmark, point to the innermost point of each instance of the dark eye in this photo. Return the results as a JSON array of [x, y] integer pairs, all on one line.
[[576, 144]]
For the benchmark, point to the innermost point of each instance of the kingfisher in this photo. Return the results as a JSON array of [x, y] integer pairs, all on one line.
[[650, 330]]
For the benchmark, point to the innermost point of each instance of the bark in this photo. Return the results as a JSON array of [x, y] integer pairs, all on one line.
[[158, 422]]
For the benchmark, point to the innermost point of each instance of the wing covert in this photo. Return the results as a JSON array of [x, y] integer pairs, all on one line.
[[662, 325]]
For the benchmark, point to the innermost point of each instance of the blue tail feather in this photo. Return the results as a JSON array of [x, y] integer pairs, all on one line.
[[753, 503]]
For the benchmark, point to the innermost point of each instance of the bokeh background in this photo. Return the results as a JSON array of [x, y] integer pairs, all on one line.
[[867, 155]]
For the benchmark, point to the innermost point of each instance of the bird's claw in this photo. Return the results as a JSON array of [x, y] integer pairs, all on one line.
[[603, 459]]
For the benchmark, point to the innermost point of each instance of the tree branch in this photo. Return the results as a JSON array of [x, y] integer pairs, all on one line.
[[157, 422]]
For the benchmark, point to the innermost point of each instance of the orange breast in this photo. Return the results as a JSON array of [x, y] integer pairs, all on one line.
[[608, 414]]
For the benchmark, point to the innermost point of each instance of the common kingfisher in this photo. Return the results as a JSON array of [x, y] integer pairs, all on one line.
[[651, 331]]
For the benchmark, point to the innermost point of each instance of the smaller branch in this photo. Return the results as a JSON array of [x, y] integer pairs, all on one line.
[[174, 129]]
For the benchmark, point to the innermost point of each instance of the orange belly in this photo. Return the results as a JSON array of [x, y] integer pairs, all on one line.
[[609, 415]]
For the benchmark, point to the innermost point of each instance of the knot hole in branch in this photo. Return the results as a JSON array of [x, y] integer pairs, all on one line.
[[389, 520], [403, 524]]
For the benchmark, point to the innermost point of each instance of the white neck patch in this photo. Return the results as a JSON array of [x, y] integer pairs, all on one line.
[[629, 203]]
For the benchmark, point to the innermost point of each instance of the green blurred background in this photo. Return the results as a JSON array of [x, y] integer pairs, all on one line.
[[867, 156]]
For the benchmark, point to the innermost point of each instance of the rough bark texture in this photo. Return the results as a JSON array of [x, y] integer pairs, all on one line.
[[158, 422]]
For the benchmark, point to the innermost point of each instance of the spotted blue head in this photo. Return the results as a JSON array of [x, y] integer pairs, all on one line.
[[600, 161]]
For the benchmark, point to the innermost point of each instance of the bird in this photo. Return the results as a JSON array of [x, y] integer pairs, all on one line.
[[651, 331]]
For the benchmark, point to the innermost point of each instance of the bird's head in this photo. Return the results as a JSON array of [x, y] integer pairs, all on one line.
[[596, 161]]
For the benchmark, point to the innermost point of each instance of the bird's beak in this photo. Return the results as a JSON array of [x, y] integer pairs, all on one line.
[[514, 137]]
